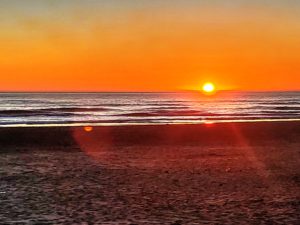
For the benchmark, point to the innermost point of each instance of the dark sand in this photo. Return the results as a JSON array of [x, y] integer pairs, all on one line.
[[235, 173]]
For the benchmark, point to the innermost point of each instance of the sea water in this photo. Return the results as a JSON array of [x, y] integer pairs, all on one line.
[[49, 109]]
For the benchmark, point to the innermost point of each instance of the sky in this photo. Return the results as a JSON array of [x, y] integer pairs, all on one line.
[[149, 45]]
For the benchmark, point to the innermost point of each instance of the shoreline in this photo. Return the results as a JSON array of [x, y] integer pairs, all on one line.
[[116, 124], [175, 134]]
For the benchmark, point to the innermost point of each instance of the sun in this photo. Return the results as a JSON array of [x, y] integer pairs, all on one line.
[[209, 88]]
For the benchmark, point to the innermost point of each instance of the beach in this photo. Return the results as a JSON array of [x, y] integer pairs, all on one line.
[[214, 173]]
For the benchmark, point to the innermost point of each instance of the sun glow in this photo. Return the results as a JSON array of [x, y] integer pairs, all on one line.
[[208, 88]]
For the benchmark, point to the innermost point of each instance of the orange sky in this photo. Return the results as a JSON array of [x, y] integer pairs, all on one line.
[[88, 45]]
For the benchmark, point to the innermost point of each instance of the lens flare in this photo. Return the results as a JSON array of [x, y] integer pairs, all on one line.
[[88, 129]]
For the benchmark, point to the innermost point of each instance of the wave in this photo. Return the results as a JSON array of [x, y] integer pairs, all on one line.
[[169, 113], [143, 121], [276, 112], [79, 109], [278, 103], [49, 111], [63, 109], [287, 108], [200, 114]]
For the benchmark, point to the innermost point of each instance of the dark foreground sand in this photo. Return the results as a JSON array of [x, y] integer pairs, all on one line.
[[244, 173]]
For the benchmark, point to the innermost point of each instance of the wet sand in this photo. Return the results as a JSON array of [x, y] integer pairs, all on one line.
[[235, 173]]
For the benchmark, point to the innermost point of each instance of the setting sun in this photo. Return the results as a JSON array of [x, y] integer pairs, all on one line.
[[208, 88]]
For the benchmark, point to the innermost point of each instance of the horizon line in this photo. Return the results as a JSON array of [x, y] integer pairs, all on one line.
[[137, 91]]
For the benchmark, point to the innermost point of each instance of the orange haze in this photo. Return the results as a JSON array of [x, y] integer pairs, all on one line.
[[149, 45]]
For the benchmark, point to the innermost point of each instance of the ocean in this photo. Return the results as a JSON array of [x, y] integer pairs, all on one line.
[[72, 109]]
